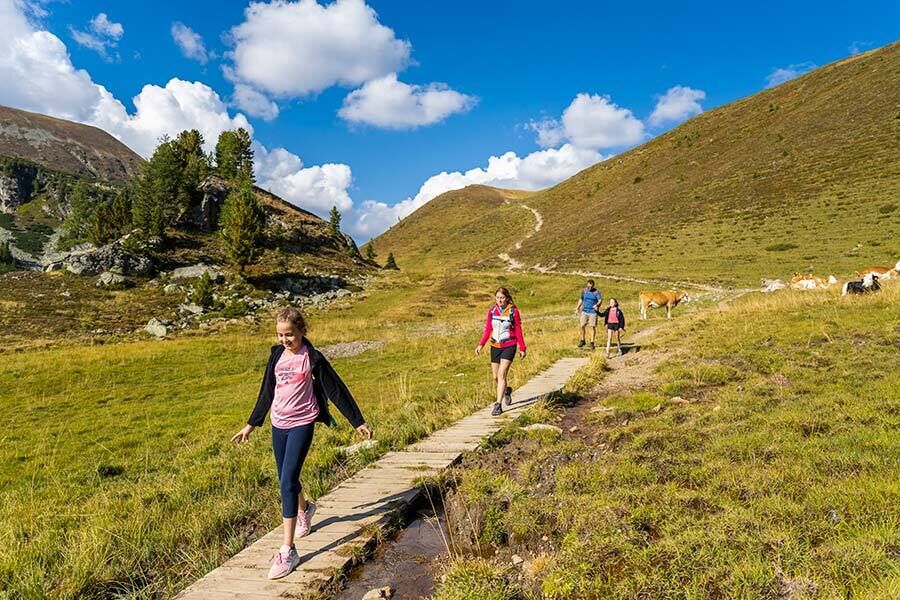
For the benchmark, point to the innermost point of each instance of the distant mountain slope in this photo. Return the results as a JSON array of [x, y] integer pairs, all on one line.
[[65, 146], [475, 223], [802, 176]]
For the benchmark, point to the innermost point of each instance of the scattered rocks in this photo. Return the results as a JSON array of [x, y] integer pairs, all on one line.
[[108, 279], [573, 428], [173, 288], [357, 448], [542, 427], [602, 409], [517, 560], [193, 309], [196, 272], [678, 400], [66, 294], [112, 257], [377, 593], [156, 328]]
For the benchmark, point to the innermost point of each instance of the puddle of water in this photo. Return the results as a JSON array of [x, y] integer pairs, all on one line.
[[408, 564]]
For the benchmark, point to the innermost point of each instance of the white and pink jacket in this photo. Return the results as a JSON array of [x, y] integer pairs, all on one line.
[[503, 327]]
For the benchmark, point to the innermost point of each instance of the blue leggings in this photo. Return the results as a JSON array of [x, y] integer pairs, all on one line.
[[290, 447]]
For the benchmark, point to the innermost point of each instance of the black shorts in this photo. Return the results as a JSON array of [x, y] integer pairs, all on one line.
[[502, 353], [613, 326]]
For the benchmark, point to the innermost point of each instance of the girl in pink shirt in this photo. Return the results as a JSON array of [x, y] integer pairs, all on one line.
[[298, 385], [615, 322], [503, 327]]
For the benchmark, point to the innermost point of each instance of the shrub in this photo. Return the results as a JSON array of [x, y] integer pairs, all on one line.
[[202, 294], [887, 209], [781, 247]]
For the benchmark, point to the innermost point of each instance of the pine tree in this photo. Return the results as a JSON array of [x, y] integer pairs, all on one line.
[[194, 165], [6, 257], [156, 204], [334, 220], [370, 251], [240, 225], [234, 156], [77, 221], [391, 263]]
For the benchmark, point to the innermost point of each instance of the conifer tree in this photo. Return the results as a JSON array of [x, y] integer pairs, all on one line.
[[156, 203], [6, 257], [370, 251], [240, 225], [391, 263], [234, 156], [334, 220]]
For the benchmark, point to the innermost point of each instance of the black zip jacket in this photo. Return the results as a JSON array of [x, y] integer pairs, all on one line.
[[327, 387], [605, 314]]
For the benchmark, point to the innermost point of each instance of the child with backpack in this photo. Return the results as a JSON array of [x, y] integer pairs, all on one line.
[[614, 320]]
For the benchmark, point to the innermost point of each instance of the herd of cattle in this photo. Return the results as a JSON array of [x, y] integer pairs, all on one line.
[[868, 281]]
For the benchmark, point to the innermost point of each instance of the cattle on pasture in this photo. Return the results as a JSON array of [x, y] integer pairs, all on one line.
[[803, 281], [772, 285], [883, 273], [867, 284], [669, 299]]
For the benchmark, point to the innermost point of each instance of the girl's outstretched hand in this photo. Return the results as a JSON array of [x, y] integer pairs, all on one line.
[[477, 350], [365, 430], [243, 435], [522, 353]]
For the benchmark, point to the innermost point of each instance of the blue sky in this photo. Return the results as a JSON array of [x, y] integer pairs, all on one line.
[[510, 70]]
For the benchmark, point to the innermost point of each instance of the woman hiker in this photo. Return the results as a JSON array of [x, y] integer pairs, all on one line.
[[503, 327], [297, 386]]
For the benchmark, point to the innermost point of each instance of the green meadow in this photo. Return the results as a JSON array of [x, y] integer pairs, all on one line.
[[116, 471], [773, 476]]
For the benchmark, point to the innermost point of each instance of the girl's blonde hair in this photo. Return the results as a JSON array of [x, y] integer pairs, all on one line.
[[293, 316]]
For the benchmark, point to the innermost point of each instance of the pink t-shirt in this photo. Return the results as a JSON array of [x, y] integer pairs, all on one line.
[[295, 402], [613, 315]]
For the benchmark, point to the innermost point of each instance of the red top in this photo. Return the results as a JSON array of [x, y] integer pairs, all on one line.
[[503, 327]]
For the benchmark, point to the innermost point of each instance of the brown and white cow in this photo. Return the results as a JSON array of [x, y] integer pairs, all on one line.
[[802, 281], [883, 273], [669, 299]]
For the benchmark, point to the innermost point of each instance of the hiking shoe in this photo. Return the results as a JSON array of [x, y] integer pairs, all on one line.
[[284, 563], [581, 344], [592, 345], [507, 397], [304, 519], [497, 410]]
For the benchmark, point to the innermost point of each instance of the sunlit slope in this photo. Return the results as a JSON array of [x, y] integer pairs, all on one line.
[[468, 226], [805, 176]]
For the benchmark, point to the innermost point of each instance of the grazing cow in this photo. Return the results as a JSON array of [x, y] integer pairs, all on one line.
[[656, 299], [867, 284], [772, 285], [883, 273], [810, 282]]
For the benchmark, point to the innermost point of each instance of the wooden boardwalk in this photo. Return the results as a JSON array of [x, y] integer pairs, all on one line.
[[349, 517]]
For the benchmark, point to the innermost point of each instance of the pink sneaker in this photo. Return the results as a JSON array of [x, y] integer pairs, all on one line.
[[304, 519], [284, 564]]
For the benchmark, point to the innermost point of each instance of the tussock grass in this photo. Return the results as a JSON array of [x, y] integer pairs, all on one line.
[[777, 480], [116, 474]]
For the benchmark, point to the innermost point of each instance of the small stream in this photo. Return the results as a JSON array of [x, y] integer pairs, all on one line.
[[408, 563]]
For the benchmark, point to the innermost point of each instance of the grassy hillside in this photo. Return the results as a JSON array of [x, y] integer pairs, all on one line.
[[474, 225], [65, 146], [773, 475], [803, 176]]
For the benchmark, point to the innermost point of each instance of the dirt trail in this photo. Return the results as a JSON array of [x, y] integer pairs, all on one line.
[[511, 263]]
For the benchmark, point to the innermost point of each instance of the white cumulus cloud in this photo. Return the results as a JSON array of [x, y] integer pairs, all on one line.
[[316, 188], [591, 121], [782, 74], [297, 48], [392, 104], [254, 102], [189, 42], [677, 104], [534, 171]]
